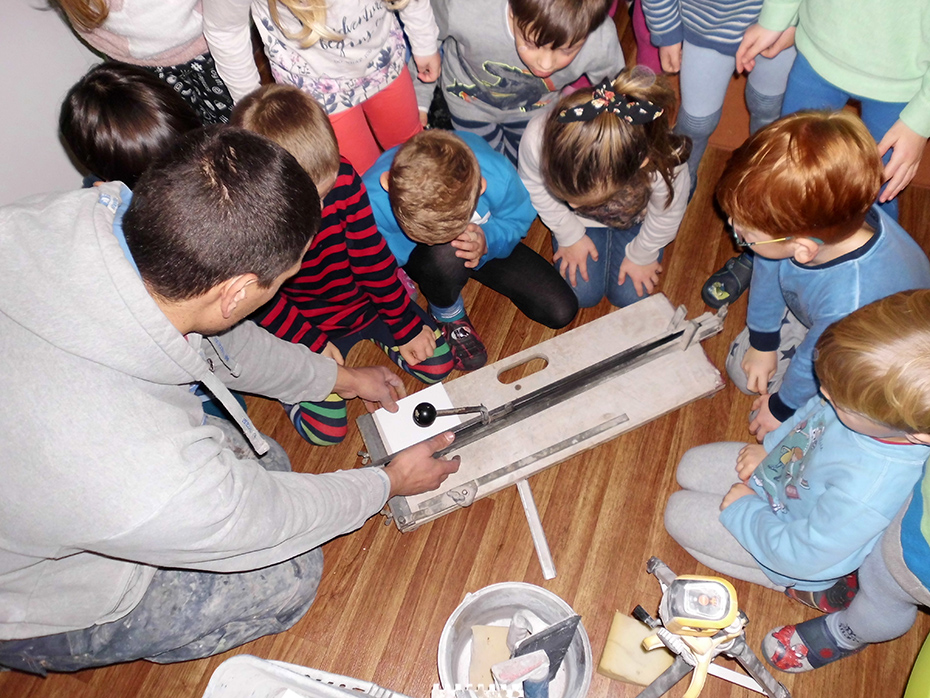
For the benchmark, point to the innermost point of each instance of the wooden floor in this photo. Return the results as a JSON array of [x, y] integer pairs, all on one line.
[[385, 596]]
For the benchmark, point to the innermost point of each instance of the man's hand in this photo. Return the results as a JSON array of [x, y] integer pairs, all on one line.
[[575, 259], [414, 470], [428, 67], [645, 277], [424, 117], [748, 460], [758, 39], [907, 148], [738, 490], [670, 57], [420, 348], [376, 385], [332, 351], [764, 421], [759, 367], [471, 245]]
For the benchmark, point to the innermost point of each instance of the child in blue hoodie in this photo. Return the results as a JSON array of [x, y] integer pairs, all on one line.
[[453, 209]]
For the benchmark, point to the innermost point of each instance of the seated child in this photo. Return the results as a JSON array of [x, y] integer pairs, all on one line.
[[800, 194], [118, 118], [504, 59], [610, 180], [452, 209], [888, 340], [347, 288], [813, 500]]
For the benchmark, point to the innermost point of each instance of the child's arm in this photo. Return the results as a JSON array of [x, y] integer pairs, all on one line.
[[659, 227], [837, 534], [907, 148], [471, 245], [773, 33], [440, 16], [372, 264], [285, 321], [508, 201], [568, 229], [766, 306], [420, 348], [227, 30], [423, 34], [663, 17], [799, 384]]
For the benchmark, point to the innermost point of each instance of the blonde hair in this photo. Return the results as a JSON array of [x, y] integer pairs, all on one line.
[[590, 162], [84, 15], [312, 17], [433, 185], [876, 361], [811, 173], [292, 119]]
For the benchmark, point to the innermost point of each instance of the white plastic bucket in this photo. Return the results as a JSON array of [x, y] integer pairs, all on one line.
[[495, 605]]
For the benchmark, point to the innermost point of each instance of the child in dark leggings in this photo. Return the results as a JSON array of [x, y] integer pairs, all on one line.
[[451, 209], [347, 289]]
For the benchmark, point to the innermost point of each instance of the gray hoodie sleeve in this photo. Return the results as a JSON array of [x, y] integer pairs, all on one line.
[[228, 514], [263, 364]]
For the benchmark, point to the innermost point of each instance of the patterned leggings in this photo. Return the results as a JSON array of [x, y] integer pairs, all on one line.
[[325, 423]]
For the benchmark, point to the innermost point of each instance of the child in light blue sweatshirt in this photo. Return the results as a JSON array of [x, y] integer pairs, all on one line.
[[801, 511]]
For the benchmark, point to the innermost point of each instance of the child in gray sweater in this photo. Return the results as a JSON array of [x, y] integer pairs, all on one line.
[[502, 60]]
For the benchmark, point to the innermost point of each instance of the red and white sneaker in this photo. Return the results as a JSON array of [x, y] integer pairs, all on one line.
[[803, 647]]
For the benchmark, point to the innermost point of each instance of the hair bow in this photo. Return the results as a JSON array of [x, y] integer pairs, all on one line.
[[630, 109]]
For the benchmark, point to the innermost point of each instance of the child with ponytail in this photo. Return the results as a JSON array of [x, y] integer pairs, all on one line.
[[610, 180]]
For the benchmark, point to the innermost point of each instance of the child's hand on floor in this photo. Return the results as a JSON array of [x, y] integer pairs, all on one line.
[[420, 348], [670, 58], [759, 367], [428, 67], [764, 421], [907, 147], [748, 460], [331, 351], [645, 278], [574, 259], [738, 490], [471, 245]]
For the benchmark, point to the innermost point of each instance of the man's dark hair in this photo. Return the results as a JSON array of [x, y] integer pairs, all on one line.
[[224, 202], [118, 118]]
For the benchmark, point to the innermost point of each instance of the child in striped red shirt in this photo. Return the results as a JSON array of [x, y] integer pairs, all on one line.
[[347, 288]]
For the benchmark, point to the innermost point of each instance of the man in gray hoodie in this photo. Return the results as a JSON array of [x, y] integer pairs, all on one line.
[[131, 526]]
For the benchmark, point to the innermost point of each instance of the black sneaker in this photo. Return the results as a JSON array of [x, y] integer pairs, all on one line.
[[836, 598], [468, 352], [729, 282]]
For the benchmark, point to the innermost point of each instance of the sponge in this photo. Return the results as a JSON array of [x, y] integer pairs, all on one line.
[[624, 658], [488, 647]]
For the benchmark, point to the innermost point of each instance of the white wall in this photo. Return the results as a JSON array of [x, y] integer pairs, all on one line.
[[41, 59]]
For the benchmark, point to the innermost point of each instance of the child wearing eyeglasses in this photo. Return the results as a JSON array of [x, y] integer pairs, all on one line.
[[800, 193]]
